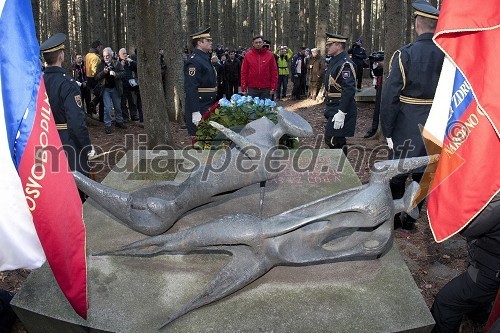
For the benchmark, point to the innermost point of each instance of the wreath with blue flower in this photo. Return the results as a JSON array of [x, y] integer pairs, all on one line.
[[235, 114]]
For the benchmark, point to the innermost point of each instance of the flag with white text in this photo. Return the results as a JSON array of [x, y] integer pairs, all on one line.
[[465, 115], [41, 209]]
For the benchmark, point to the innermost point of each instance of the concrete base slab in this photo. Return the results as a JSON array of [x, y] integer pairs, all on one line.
[[139, 294]]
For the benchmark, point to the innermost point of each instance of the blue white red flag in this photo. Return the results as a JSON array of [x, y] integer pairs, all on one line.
[[41, 212], [465, 116]]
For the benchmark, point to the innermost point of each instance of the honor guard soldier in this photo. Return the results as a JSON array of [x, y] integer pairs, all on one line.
[[340, 83], [66, 104], [407, 97], [200, 80]]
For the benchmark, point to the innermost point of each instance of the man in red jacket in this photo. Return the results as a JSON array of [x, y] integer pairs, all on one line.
[[259, 73]]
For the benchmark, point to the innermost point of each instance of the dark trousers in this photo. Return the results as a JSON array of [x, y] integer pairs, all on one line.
[[92, 84], [338, 142], [376, 112], [86, 97], [282, 83], [232, 88], [128, 104], [470, 293], [298, 90], [359, 75], [260, 93]]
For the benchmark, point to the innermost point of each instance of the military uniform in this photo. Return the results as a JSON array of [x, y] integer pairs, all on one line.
[[408, 93], [407, 96], [200, 84], [340, 83], [66, 105]]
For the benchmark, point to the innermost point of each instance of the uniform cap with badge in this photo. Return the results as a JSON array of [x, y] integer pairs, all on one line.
[[202, 34], [333, 38], [425, 9], [54, 43]]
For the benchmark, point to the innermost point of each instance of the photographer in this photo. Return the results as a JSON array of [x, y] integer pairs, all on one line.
[[130, 86], [358, 55], [377, 72], [109, 76]]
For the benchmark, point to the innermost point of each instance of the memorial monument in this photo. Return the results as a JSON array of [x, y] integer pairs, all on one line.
[[304, 226]]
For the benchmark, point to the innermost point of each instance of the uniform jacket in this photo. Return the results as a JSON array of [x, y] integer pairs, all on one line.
[[358, 54], [408, 91], [340, 85], [199, 74], [315, 69], [66, 104], [259, 70], [101, 76]]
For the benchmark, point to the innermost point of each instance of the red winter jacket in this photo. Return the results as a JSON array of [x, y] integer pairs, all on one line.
[[259, 70]]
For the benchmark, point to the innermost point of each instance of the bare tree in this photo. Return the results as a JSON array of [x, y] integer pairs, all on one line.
[[293, 32], [174, 80], [154, 107], [322, 25], [392, 30]]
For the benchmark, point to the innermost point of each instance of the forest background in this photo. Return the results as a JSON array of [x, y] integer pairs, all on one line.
[[148, 25]]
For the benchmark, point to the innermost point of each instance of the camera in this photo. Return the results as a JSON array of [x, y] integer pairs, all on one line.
[[109, 68], [376, 56]]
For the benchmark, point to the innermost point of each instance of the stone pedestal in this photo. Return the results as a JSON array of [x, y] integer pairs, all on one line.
[[139, 294]]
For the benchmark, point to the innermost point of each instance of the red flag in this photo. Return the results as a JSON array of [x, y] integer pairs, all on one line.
[[42, 208], [55, 204], [468, 173]]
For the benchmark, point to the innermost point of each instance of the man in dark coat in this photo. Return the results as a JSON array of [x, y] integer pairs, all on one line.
[[66, 104], [200, 80], [358, 54], [473, 291], [232, 69], [340, 86], [407, 96]]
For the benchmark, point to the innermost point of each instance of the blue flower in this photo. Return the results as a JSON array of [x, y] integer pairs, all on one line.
[[269, 103], [224, 102], [235, 97]]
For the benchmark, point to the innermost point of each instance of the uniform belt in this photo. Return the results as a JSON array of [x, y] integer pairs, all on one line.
[[207, 90], [335, 95], [62, 127], [412, 100]]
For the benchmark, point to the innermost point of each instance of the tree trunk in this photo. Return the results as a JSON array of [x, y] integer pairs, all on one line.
[[409, 22], [252, 22], [84, 25], [345, 18], [214, 20], [191, 18], [174, 79], [97, 26], [35, 6], [392, 30], [322, 25], [293, 31], [131, 25], [156, 121], [311, 26], [367, 26]]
